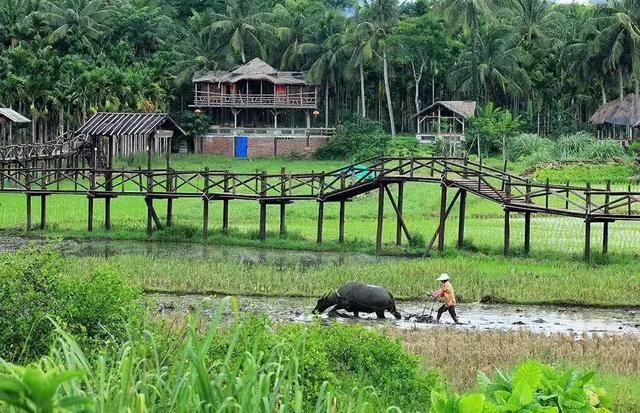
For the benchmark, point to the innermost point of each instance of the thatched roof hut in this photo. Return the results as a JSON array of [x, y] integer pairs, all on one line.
[[256, 69], [464, 108], [622, 112]]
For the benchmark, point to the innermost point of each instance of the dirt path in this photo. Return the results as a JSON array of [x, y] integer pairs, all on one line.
[[537, 319]]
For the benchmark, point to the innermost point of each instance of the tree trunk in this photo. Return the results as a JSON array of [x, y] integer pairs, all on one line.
[[362, 97], [620, 83], [388, 93], [326, 105], [603, 91]]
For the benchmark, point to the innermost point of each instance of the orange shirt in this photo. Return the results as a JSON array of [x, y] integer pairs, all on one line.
[[446, 291]]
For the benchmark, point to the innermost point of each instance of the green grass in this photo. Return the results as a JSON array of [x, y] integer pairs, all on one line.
[[584, 172], [526, 281], [67, 216]]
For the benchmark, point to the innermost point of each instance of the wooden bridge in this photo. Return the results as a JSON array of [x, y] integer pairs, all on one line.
[[58, 173]]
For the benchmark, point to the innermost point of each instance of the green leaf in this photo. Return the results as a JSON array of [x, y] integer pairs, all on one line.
[[471, 403]]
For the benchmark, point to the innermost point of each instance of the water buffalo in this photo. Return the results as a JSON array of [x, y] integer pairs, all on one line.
[[359, 298]]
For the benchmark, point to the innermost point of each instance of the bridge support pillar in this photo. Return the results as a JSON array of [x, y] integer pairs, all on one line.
[[380, 218], [149, 217], [507, 232], [399, 214], [320, 222], [283, 219], [463, 207], [43, 211], [90, 214], [587, 240], [28, 212], [263, 221], [169, 212], [225, 216], [341, 222], [527, 233], [107, 213], [443, 216], [205, 219], [605, 238]]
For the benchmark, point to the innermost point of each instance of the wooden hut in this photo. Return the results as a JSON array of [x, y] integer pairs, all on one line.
[[258, 111], [9, 117], [618, 119], [445, 118]]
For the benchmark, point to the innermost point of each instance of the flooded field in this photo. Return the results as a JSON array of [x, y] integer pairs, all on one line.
[[196, 251], [474, 316]]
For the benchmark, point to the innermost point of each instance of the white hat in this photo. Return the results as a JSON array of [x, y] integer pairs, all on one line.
[[443, 277]]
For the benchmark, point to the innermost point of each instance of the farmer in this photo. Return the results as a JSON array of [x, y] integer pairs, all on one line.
[[446, 292]]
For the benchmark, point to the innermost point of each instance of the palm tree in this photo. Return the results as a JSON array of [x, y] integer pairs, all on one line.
[[532, 19], [361, 44], [80, 23], [381, 16], [329, 56], [15, 17], [620, 38], [241, 29], [494, 66], [295, 23]]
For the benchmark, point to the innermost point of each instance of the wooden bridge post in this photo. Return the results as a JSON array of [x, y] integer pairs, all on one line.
[[320, 209], [90, 213], [205, 206], [463, 207], [263, 207], [283, 210], [605, 224], [169, 196], [43, 211], [443, 216], [399, 214], [587, 225], [225, 205], [527, 222], [28, 212], [380, 218], [91, 196], [507, 223]]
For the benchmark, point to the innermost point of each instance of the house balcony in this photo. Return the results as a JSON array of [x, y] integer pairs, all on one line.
[[299, 100], [271, 132]]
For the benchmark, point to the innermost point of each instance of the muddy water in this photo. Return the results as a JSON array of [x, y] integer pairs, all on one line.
[[537, 319], [248, 256]]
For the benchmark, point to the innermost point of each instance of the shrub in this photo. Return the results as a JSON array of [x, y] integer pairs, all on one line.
[[533, 387], [601, 151], [526, 145], [356, 140], [35, 286], [403, 147]]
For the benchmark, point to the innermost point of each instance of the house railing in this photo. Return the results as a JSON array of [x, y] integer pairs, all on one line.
[[300, 100], [272, 132]]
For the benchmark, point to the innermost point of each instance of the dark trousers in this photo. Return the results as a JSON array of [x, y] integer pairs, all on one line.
[[452, 312]]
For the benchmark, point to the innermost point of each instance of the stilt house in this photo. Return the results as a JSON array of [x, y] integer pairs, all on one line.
[[447, 119], [618, 119], [9, 117], [258, 111]]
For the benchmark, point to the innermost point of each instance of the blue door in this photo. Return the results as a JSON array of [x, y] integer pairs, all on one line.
[[241, 147]]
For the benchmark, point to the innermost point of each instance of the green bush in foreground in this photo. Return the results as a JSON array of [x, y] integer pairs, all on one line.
[[35, 285], [248, 366], [533, 388]]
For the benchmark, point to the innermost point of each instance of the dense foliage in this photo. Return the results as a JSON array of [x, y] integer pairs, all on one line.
[[550, 64], [533, 387], [35, 288]]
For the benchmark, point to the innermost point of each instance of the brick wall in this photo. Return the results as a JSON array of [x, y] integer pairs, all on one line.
[[264, 146], [260, 147], [218, 145]]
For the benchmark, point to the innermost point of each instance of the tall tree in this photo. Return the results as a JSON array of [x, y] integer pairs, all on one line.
[[420, 43], [381, 16]]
